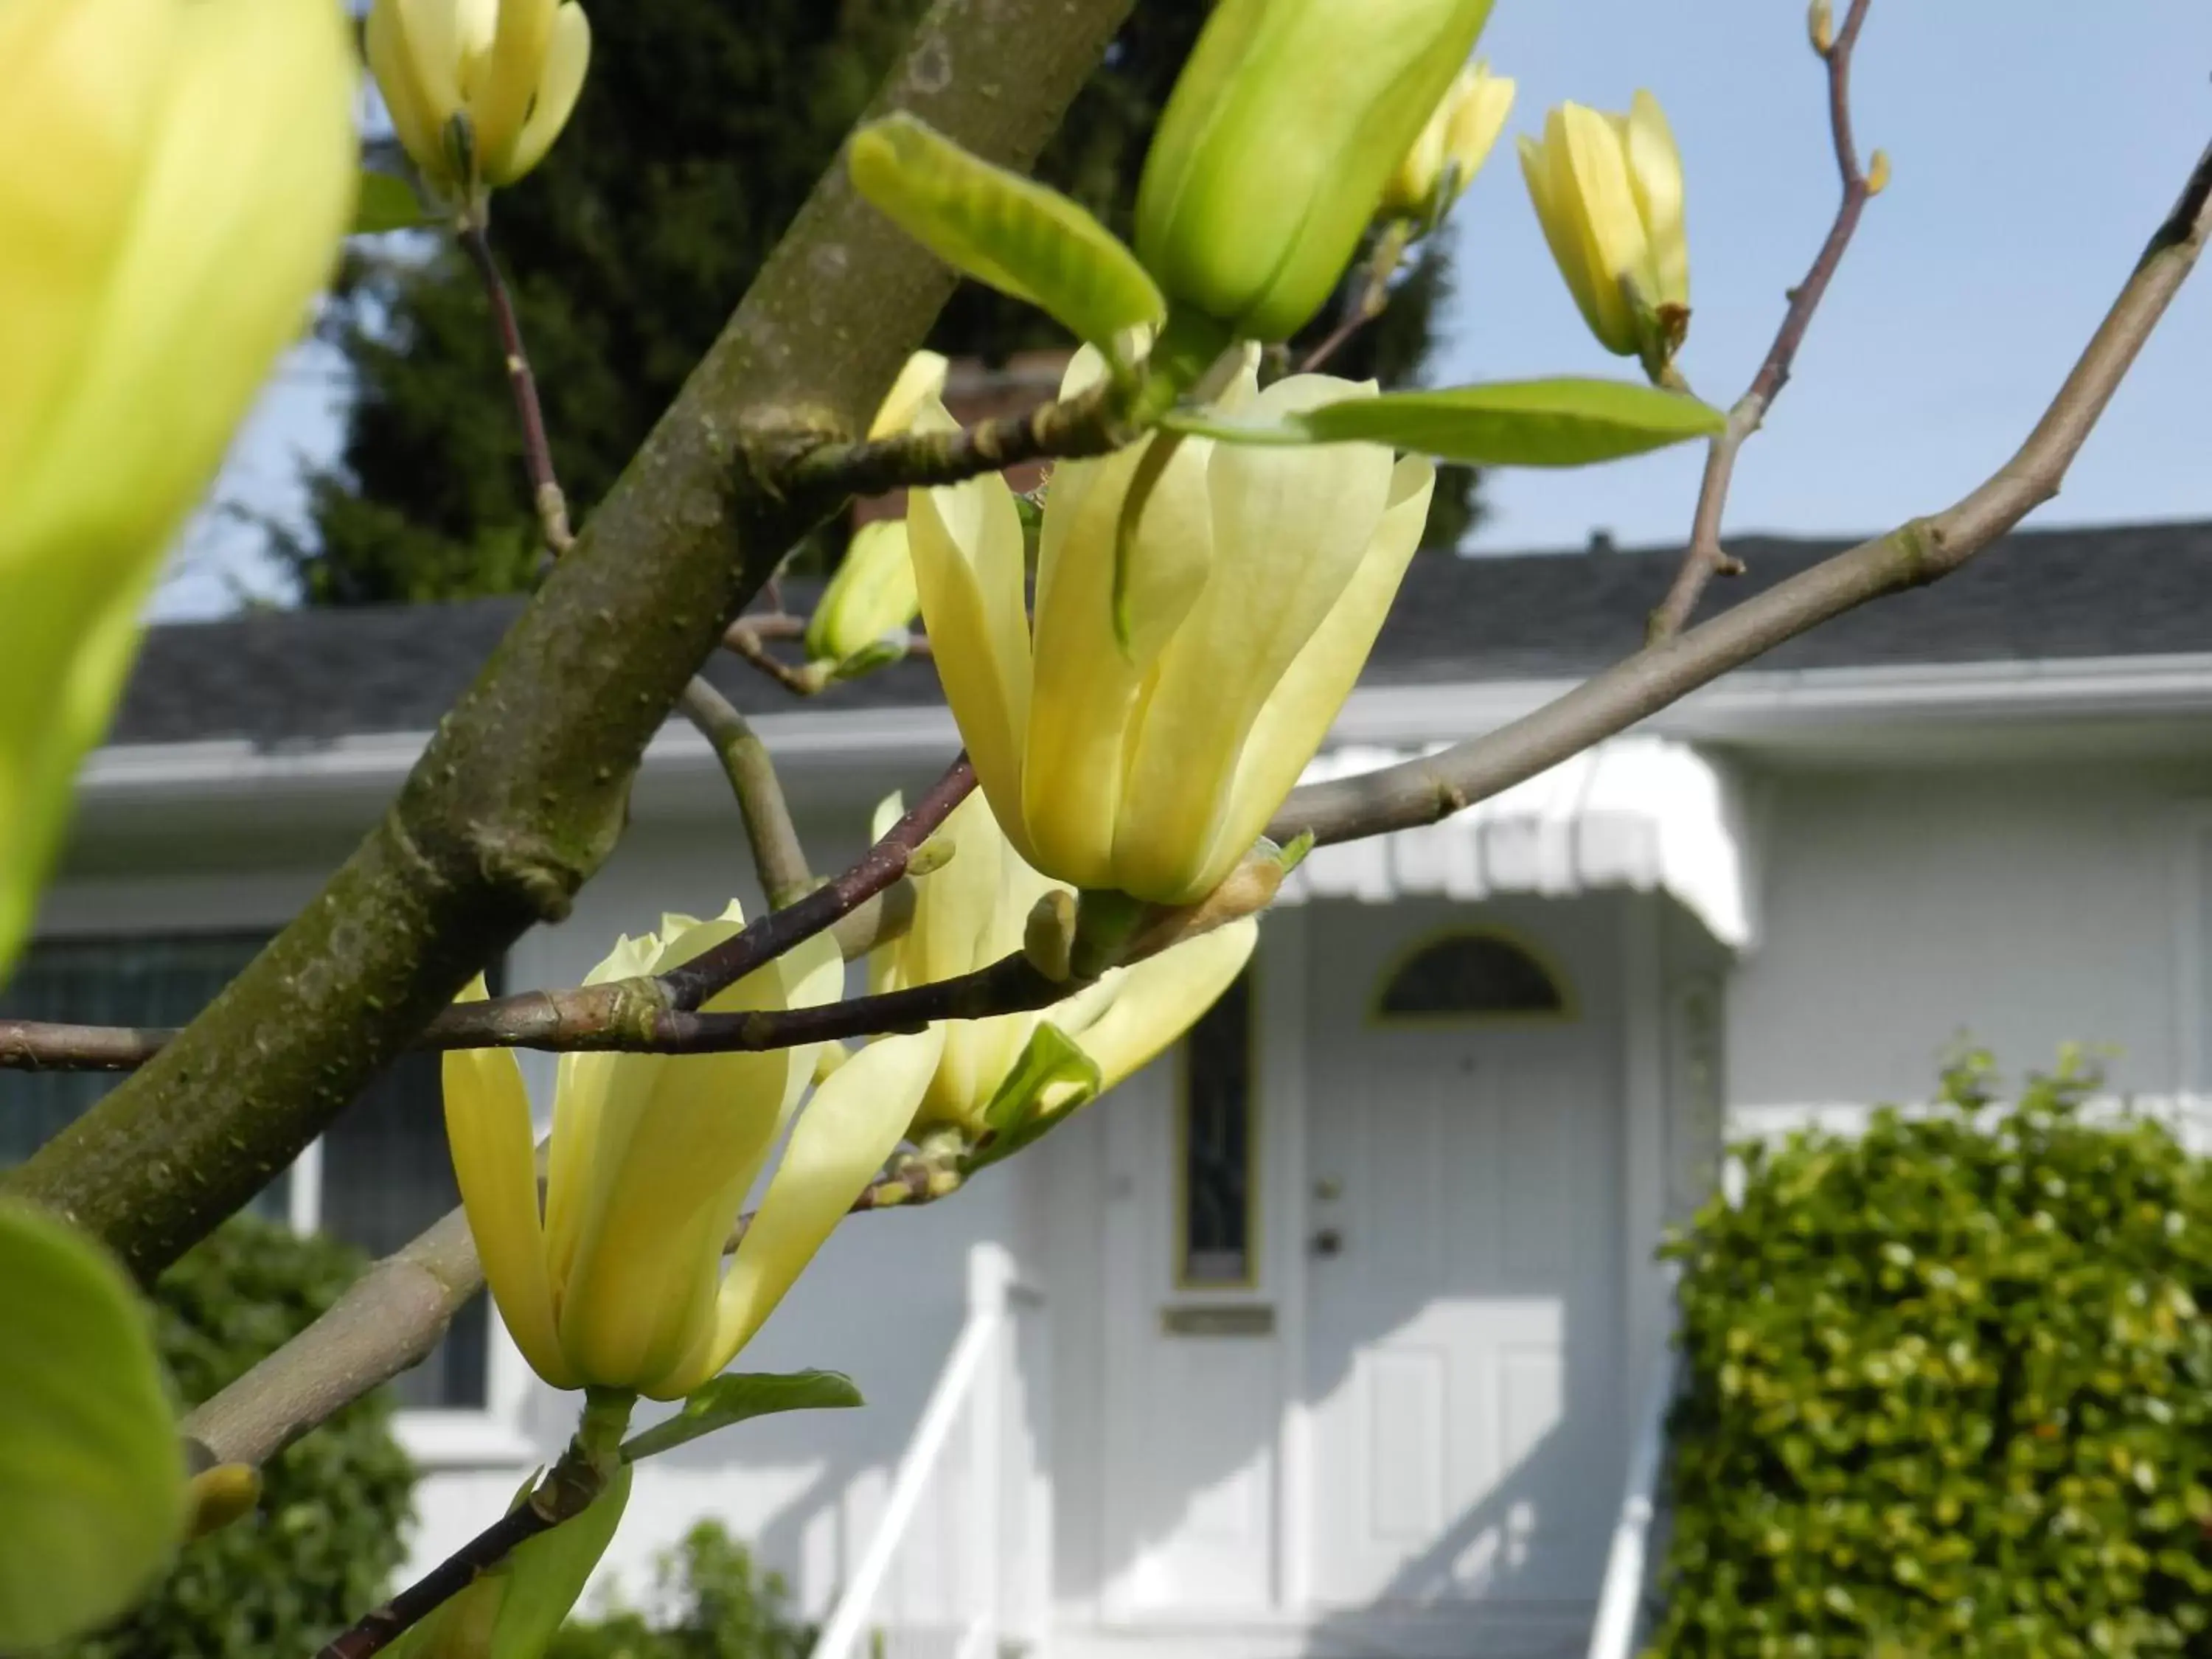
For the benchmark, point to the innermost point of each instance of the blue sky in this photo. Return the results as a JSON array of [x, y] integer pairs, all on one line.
[[2033, 146]]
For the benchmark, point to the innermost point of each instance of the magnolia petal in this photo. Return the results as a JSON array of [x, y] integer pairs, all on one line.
[[1087, 684], [496, 1164], [970, 567], [1655, 174], [854, 1122], [1592, 174], [500, 104], [1477, 121], [886, 962], [1290, 527], [430, 30], [1303, 705], [1162, 997], [920, 382], [559, 85], [675, 1132], [387, 50]]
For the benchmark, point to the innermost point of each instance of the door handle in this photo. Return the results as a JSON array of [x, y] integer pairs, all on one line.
[[1328, 1241]]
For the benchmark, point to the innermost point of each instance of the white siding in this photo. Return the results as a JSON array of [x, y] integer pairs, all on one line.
[[1907, 910]]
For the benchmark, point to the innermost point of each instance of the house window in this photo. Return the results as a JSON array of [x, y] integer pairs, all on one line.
[[383, 1173], [1474, 974], [1216, 1243]]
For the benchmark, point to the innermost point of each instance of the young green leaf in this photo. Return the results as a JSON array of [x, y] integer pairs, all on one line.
[[1567, 422], [511, 1608], [91, 1473], [737, 1396], [1012, 233], [1050, 1056], [386, 202]]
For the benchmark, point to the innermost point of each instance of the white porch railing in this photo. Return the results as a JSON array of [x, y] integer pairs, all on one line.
[[1628, 1564], [959, 1565]]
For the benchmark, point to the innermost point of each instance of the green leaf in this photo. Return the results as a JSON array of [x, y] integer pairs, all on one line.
[[1567, 422], [1050, 1056], [91, 1473], [386, 202], [1018, 235], [738, 1395]]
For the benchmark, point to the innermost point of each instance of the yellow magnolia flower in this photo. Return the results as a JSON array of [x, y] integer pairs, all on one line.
[[618, 1283], [872, 594], [477, 89], [1608, 189], [180, 174], [972, 911], [1256, 582], [1452, 148]]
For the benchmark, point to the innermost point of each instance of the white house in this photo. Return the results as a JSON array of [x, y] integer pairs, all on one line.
[[1334, 1333]]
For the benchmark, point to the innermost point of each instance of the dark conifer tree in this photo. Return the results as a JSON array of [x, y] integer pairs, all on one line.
[[703, 126]]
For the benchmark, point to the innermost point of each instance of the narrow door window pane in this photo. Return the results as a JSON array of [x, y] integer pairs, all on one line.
[[111, 981], [1216, 1144], [386, 1176]]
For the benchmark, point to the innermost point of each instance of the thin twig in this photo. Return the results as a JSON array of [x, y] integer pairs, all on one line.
[[1095, 421], [570, 1486], [1922, 550], [744, 638], [778, 858], [1362, 303], [618, 1014], [551, 506], [689, 986], [1705, 557]]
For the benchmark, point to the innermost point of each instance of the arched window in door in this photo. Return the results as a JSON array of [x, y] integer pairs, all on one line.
[[1479, 973]]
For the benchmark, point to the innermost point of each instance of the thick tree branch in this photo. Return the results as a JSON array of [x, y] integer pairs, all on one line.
[[521, 794], [1706, 558], [1924, 550], [778, 858]]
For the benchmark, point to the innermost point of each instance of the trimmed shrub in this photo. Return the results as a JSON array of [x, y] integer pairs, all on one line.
[[711, 1603], [1948, 1389], [316, 1552]]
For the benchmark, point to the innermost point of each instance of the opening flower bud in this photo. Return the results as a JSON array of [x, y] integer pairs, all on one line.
[[477, 90], [1452, 148], [1608, 189], [1276, 144]]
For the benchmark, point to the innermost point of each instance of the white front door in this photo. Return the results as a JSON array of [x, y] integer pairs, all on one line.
[[1463, 1308]]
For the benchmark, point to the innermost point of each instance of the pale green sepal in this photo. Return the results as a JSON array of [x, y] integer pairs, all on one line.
[[386, 202], [737, 1396], [1567, 422], [879, 654], [1012, 233], [1049, 1057], [92, 1471]]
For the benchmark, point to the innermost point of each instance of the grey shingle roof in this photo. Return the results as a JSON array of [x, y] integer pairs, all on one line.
[[294, 676]]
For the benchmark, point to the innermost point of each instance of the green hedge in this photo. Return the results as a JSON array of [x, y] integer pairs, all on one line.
[[326, 1536], [1948, 1390], [711, 1603]]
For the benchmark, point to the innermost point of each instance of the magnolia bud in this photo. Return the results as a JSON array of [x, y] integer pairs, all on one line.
[[477, 92], [871, 595], [1272, 154], [1452, 148], [1608, 189]]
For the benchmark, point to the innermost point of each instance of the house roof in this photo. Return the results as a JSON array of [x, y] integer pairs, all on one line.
[[277, 678]]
